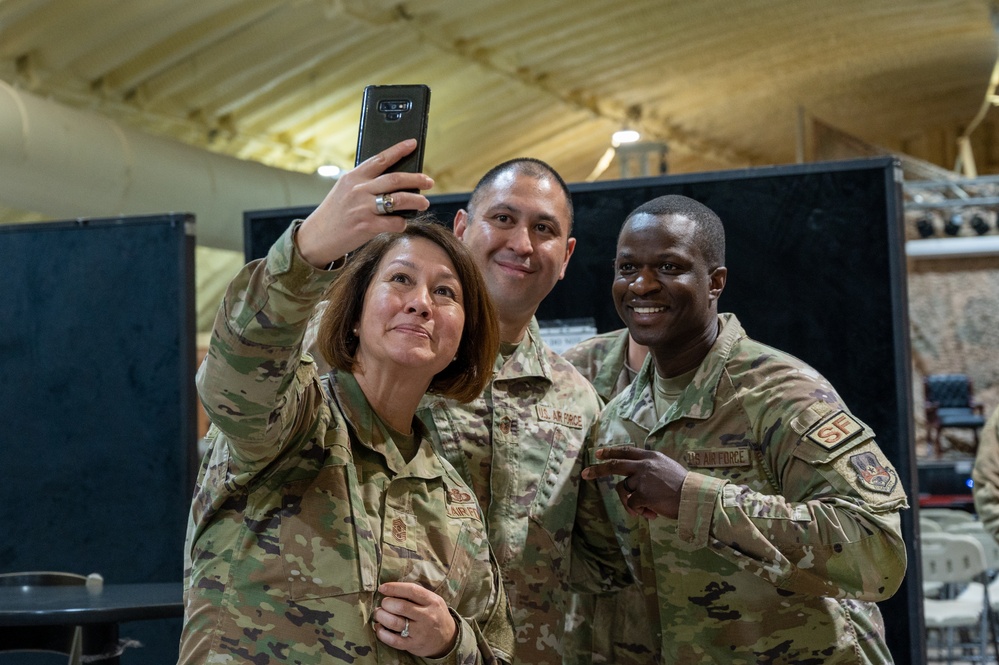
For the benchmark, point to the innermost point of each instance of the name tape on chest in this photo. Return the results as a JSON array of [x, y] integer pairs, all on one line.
[[718, 457], [835, 430], [559, 417]]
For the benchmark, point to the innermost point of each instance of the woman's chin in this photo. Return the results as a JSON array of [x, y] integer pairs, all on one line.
[[420, 362]]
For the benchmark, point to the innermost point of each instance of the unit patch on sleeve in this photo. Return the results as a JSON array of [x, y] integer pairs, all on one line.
[[872, 474], [835, 430]]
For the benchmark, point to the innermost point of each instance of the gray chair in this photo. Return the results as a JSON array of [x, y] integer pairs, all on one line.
[[957, 627], [945, 517]]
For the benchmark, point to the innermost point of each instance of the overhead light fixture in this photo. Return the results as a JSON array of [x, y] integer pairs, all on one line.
[[953, 225], [329, 171], [979, 224], [924, 226], [624, 136]]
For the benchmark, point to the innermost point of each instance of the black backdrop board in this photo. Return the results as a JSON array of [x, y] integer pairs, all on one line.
[[816, 267], [98, 359]]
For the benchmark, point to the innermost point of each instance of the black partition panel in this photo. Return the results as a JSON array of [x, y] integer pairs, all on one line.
[[99, 426], [816, 267]]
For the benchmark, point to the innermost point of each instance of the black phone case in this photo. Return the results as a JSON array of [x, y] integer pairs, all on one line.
[[392, 113]]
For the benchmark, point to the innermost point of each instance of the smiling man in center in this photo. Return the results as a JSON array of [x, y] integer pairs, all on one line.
[[763, 512]]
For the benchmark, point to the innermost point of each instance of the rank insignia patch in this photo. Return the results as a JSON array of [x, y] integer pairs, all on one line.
[[399, 530], [872, 474]]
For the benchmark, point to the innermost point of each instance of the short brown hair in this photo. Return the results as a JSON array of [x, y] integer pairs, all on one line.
[[463, 379]]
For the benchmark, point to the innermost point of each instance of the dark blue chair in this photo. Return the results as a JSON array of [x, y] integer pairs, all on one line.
[[950, 402]]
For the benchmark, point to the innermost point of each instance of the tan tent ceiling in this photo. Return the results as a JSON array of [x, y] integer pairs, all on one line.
[[720, 82]]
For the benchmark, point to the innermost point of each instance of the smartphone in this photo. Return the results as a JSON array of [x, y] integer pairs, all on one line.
[[393, 113]]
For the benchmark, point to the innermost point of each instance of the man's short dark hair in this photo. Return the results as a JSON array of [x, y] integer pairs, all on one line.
[[710, 230], [528, 166]]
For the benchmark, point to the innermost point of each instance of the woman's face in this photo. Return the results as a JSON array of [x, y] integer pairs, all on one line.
[[413, 314]]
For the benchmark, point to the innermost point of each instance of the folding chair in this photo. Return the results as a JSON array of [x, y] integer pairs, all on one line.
[[955, 560], [945, 517], [988, 592]]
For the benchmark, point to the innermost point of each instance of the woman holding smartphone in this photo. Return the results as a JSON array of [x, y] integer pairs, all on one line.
[[324, 527]]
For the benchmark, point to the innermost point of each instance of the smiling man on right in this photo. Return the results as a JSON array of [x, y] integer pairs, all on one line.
[[760, 508]]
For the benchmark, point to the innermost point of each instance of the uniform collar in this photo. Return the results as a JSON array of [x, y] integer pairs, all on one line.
[[370, 434], [697, 401], [527, 360]]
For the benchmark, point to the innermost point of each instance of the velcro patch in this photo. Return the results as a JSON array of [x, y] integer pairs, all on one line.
[[461, 505], [399, 530], [835, 430], [458, 495], [872, 474], [463, 512], [719, 457], [559, 417]]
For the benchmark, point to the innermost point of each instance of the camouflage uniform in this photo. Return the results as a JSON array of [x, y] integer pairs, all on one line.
[[602, 359], [521, 447], [788, 525], [303, 506], [310, 343], [611, 627], [986, 476]]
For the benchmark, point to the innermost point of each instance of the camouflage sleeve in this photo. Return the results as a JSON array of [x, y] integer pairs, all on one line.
[[986, 476], [249, 382], [466, 650], [598, 563], [581, 357], [310, 343], [830, 527]]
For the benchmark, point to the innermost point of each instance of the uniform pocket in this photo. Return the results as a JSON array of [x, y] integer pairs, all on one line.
[[554, 505], [318, 537], [469, 566]]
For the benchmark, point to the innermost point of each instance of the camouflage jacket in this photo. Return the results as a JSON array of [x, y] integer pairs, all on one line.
[[611, 627], [303, 505], [986, 475], [521, 446], [788, 529], [601, 359]]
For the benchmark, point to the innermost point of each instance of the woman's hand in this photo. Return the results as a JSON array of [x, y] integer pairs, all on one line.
[[348, 217], [414, 619]]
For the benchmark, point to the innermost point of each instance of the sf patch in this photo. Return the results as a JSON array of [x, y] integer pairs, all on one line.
[[872, 474], [835, 430]]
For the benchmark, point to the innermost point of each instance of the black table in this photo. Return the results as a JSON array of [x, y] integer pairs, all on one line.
[[31, 613]]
